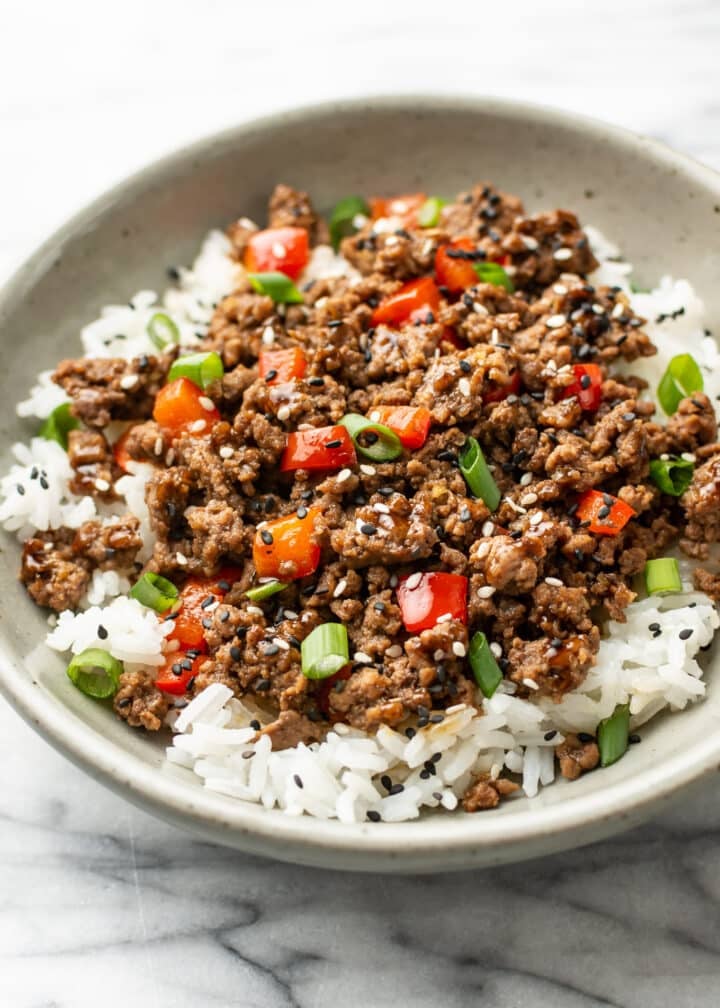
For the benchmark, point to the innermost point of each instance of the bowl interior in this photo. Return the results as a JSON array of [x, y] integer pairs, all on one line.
[[664, 212]]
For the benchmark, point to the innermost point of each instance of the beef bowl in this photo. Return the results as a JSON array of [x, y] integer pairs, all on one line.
[[365, 514]]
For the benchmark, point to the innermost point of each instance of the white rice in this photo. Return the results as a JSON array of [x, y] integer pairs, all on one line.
[[346, 776]]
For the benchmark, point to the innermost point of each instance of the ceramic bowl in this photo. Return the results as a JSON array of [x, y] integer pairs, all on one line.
[[663, 210]]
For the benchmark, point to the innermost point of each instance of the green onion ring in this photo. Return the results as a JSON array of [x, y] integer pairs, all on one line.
[[277, 286], [493, 273], [162, 331], [429, 213], [155, 592], [325, 651], [265, 591], [612, 735], [343, 216], [58, 425], [484, 667], [96, 673], [673, 476], [477, 475], [662, 575], [682, 377], [200, 368], [386, 448]]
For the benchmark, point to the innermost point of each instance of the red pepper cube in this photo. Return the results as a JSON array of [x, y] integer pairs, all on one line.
[[405, 207], [278, 250], [410, 423], [452, 270], [180, 405], [587, 386], [606, 514], [278, 366], [285, 549], [412, 303], [323, 448], [425, 598], [173, 677], [495, 393]]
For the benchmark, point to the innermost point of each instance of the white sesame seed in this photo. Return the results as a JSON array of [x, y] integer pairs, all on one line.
[[487, 591], [618, 310], [368, 470], [321, 302], [289, 613], [394, 580], [459, 649], [551, 366], [445, 618], [516, 507], [171, 646], [381, 509], [340, 588], [359, 221], [102, 485], [170, 456], [375, 416], [438, 655], [197, 426], [254, 610], [281, 309], [562, 253], [283, 413], [495, 771], [551, 652], [555, 321], [362, 659], [394, 651], [560, 289], [529, 242], [268, 336], [282, 644], [278, 250], [526, 479], [598, 309], [391, 241], [480, 308], [553, 582], [181, 559], [226, 452], [531, 684], [413, 581], [688, 457], [158, 446], [536, 518], [464, 386], [427, 248], [496, 649], [528, 499], [129, 381], [343, 475], [488, 528], [495, 336], [206, 403], [665, 457]]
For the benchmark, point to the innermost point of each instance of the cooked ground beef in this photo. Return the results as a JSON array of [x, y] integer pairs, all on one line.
[[488, 362]]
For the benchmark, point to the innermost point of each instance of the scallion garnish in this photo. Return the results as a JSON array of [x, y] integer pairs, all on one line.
[[325, 651], [200, 368], [58, 425], [342, 219], [429, 212], [264, 591], [96, 673], [276, 286], [484, 667], [682, 377], [155, 592], [662, 575], [162, 331], [612, 735], [372, 440], [673, 475], [493, 273], [477, 475]]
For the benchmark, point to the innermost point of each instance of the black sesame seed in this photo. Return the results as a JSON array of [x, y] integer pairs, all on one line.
[[224, 615], [465, 366], [266, 537], [44, 483], [424, 775], [302, 511], [255, 725], [550, 735], [379, 606], [386, 491], [207, 623], [224, 585], [262, 685], [585, 381], [584, 737], [653, 627], [248, 754], [271, 375], [34, 472], [396, 789], [465, 515], [270, 649], [374, 816], [20, 489], [176, 669], [368, 529], [102, 632], [334, 324], [190, 684], [316, 381], [603, 512], [333, 444], [187, 664], [298, 780], [386, 782], [685, 634], [410, 733], [207, 601], [634, 739], [125, 702]]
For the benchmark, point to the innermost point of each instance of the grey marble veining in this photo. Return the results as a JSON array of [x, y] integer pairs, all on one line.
[[101, 905]]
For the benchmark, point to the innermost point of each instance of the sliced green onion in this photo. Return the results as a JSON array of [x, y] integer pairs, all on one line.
[[662, 575], [477, 475], [162, 330], [200, 368], [325, 651], [612, 735], [482, 662], [681, 379], [96, 673], [58, 425], [266, 590], [276, 286], [493, 273], [379, 442], [342, 219], [429, 212], [155, 592], [673, 475]]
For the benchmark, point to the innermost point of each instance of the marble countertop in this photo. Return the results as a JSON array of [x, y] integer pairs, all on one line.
[[102, 905]]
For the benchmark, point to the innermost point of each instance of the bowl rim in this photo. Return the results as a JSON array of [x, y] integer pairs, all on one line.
[[431, 843]]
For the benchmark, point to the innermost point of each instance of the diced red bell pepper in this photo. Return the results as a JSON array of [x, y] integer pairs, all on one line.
[[278, 366], [173, 677], [607, 514], [405, 207], [410, 423], [424, 598], [278, 250], [453, 272], [497, 393], [323, 448], [120, 452], [284, 548], [411, 303], [181, 404], [587, 386], [450, 336], [193, 605]]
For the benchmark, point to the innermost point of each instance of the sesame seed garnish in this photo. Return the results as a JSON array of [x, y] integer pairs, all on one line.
[[555, 321], [486, 591], [181, 559], [688, 457], [464, 386], [554, 582], [496, 649], [236, 653], [102, 632], [362, 658], [368, 470], [226, 452], [685, 634], [598, 309], [445, 618], [368, 529], [333, 444], [528, 499], [262, 685], [280, 643], [459, 649], [102, 485], [562, 254], [526, 479], [129, 381], [268, 336], [550, 735], [530, 683], [44, 483], [340, 588], [283, 413], [197, 426], [394, 651], [343, 475], [266, 537], [374, 816]]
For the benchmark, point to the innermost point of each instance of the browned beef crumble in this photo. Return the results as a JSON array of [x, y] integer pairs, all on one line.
[[540, 584]]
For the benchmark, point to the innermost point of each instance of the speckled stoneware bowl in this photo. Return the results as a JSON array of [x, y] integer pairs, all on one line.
[[663, 209]]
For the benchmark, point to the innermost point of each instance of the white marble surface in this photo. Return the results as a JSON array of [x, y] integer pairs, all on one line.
[[101, 905]]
